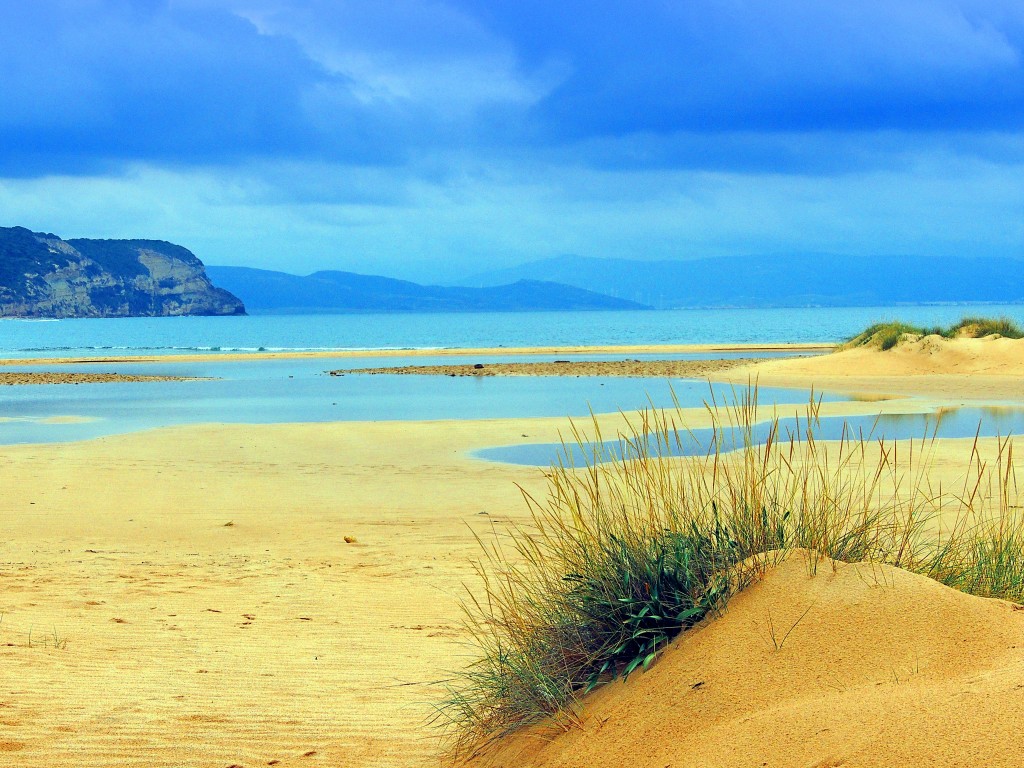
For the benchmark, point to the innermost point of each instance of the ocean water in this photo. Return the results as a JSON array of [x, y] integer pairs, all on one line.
[[20, 338]]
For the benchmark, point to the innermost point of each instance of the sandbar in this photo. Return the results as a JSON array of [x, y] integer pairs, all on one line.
[[637, 368], [52, 377]]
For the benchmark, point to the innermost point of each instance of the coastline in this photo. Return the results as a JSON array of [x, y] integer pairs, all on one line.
[[636, 349]]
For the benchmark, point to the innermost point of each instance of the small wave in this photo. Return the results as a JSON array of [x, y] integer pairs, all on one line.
[[150, 350]]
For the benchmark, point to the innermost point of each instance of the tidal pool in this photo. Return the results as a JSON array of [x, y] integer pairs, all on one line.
[[962, 422]]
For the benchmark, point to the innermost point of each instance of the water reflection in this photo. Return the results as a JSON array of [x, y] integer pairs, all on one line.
[[984, 421]]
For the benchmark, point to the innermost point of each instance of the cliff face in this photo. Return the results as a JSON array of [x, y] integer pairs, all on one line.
[[42, 275]]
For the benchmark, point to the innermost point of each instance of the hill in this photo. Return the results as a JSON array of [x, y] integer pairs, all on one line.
[[42, 275], [781, 281], [269, 292], [877, 667]]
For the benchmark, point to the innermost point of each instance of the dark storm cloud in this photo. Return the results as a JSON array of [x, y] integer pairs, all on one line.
[[88, 85], [778, 65]]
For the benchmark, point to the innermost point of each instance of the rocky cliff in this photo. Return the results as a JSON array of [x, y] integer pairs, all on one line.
[[42, 275]]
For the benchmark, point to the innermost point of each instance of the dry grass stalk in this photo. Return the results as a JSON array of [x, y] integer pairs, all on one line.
[[634, 546]]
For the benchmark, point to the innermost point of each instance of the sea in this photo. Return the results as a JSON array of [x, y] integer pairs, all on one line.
[[164, 335], [302, 390]]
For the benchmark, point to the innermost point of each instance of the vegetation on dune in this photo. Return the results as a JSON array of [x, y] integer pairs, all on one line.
[[977, 327], [631, 549], [888, 335]]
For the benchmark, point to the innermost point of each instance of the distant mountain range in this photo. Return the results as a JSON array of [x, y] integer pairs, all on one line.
[[268, 292], [781, 281]]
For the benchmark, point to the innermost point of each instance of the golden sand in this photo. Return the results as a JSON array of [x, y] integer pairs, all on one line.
[[186, 597], [869, 666], [976, 369]]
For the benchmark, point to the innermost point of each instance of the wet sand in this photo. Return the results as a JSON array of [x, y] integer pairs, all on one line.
[[637, 368], [42, 377]]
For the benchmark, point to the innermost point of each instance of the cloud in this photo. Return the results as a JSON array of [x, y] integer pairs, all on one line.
[[402, 52], [482, 215], [774, 65], [90, 84]]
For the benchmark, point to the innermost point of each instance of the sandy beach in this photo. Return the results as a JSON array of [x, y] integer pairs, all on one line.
[[189, 596], [478, 384]]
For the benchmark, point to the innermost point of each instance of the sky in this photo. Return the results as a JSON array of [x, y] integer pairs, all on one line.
[[433, 139]]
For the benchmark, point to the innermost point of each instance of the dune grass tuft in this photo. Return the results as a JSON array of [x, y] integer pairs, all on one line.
[[888, 335], [977, 327], [629, 550]]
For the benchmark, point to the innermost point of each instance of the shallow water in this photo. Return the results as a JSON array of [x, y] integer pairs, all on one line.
[[946, 423], [286, 391]]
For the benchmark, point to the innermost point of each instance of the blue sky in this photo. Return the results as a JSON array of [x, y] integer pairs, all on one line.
[[429, 139]]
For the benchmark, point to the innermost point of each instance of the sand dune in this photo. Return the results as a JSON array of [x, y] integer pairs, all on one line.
[[931, 366], [878, 667], [922, 357]]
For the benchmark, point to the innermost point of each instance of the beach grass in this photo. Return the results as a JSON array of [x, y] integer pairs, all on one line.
[[977, 327], [632, 548], [888, 334]]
